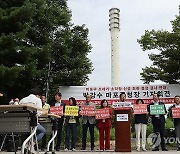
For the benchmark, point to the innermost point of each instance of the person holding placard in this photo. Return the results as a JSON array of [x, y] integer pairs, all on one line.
[[71, 123], [58, 102], [140, 120], [88, 122], [104, 126], [176, 119], [157, 110]]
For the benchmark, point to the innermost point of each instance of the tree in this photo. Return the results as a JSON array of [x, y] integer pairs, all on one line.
[[166, 64], [36, 34]]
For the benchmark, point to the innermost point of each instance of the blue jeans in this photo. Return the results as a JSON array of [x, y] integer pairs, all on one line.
[[40, 131], [71, 128]]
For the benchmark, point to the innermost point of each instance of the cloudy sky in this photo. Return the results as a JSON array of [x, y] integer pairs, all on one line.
[[136, 16]]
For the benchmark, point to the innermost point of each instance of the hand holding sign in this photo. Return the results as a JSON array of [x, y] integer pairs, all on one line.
[[102, 113], [71, 110], [176, 112], [57, 110], [87, 111], [157, 109], [140, 108]]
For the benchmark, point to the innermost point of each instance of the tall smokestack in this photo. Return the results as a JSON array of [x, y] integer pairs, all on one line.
[[115, 59]]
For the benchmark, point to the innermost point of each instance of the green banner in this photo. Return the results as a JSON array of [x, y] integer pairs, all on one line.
[[157, 109]]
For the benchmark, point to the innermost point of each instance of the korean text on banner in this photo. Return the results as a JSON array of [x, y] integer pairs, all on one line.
[[176, 112], [71, 110], [57, 110], [157, 109], [140, 108], [102, 113], [87, 110]]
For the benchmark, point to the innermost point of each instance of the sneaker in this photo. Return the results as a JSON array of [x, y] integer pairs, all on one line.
[[138, 149], [73, 149], [83, 148], [92, 149], [66, 149], [155, 149], [33, 151], [144, 149], [164, 149], [57, 148]]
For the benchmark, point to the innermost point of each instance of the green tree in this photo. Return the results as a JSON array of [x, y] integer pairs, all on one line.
[[37, 38], [166, 64]]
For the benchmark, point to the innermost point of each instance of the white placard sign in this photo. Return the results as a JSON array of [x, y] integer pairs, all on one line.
[[121, 104], [122, 117]]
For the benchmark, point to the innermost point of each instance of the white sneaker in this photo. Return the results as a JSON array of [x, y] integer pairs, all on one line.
[[66, 149], [138, 149], [144, 149], [73, 149], [33, 150]]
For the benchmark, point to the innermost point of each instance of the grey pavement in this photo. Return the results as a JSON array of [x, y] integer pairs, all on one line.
[[105, 152]]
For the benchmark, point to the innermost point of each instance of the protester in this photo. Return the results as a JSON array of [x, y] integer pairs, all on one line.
[[104, 126], [176, 120], [140, 121], [46, 107], [122, 97], [88, 122], [158, 122], [34, 100], [58, 102], [71, 123]]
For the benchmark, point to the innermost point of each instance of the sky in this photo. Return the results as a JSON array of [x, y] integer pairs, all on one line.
[[136, 16]]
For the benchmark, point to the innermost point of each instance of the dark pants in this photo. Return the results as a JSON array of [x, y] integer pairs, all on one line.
[[43, 146], [91, 130], [159, 128], [71, 129], [177, 131], [59, 133]]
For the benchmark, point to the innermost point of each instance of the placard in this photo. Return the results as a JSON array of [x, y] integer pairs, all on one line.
[[71, 110], [122, 117], [157, 109], [117, 105], [57, 110], [176, 112], [87, 111], [140, 108], [102, 113]]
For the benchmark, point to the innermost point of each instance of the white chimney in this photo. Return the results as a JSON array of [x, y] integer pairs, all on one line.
[[115, 58]]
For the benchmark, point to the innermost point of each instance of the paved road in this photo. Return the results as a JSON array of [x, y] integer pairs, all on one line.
[[108, 152]]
